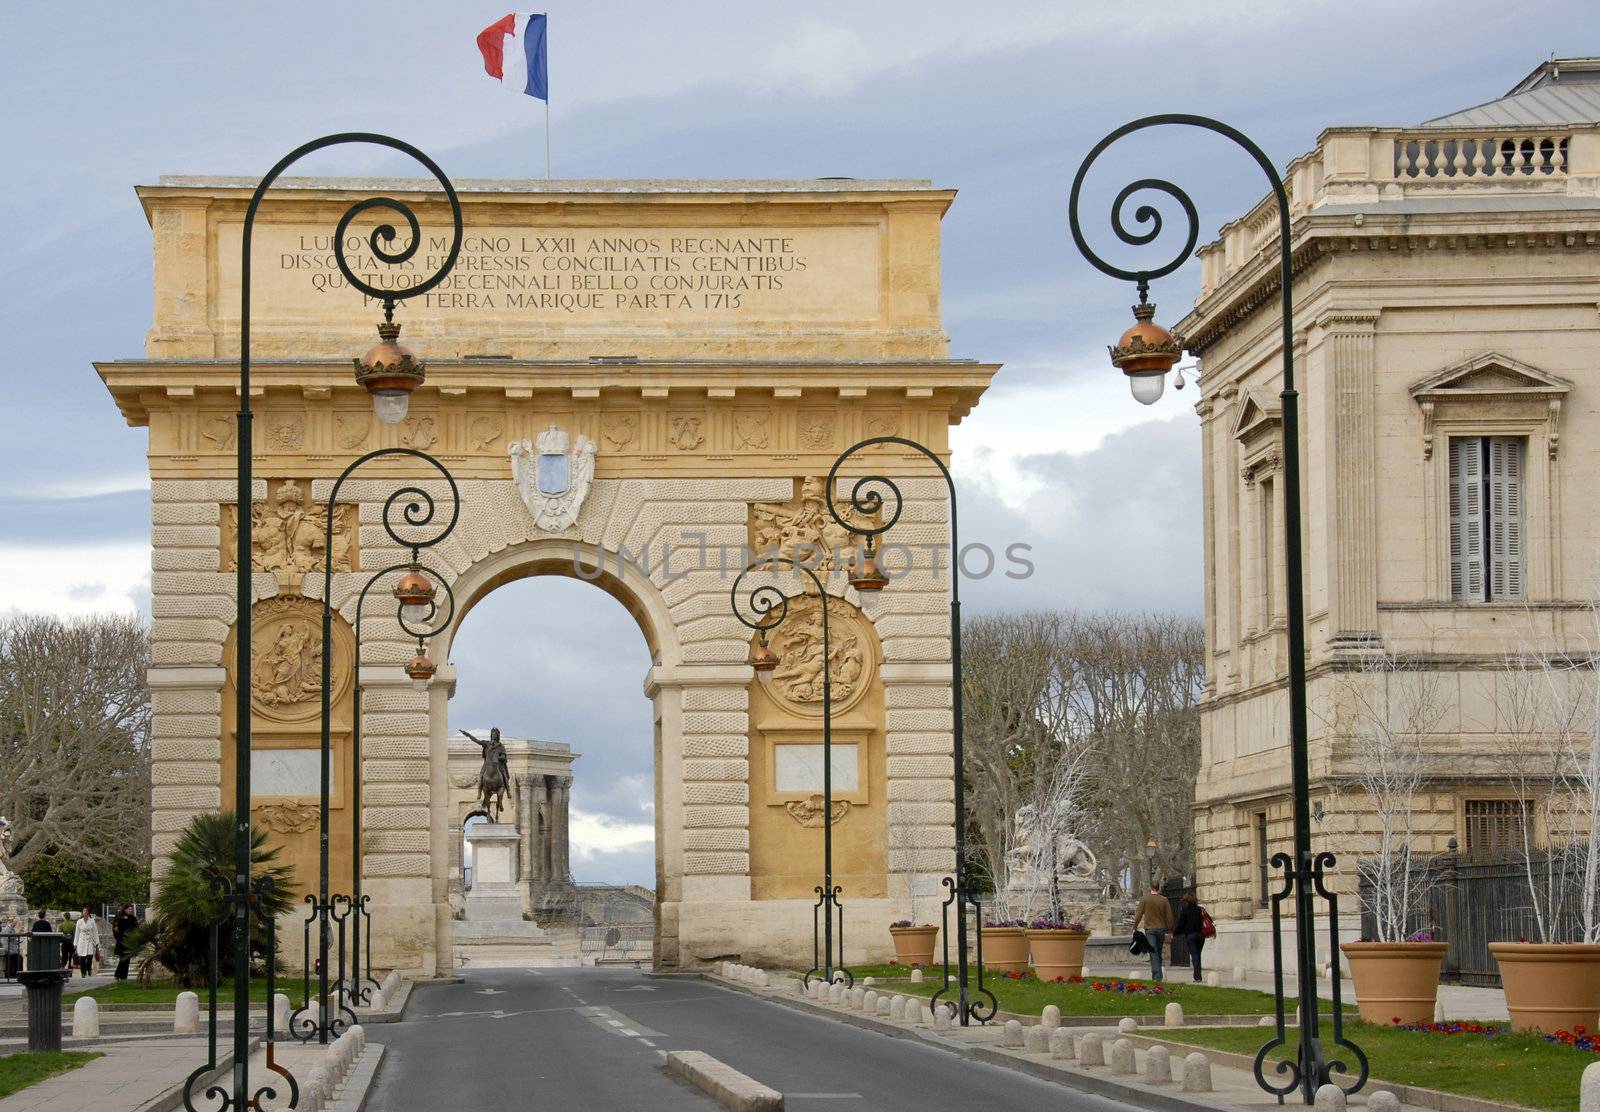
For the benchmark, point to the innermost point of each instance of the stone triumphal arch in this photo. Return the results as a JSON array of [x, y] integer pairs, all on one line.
[[699, 352]]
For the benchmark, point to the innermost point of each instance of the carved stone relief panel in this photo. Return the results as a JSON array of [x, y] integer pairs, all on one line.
[[484, 431], [816, 430], [286, 655], [288, 817], [750, 429], [804, 529], [288, 533], [350, 431], [688, 432], [809, 811], [797, 681]]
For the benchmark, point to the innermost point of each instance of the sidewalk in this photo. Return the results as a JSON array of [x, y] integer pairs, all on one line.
[[1231, 1087], [129, 1077]]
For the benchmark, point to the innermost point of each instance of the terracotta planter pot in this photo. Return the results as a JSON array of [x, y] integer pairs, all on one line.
[[1395, 980], [1057, 954], [1550, 987], [914, 945], [1005, 949]]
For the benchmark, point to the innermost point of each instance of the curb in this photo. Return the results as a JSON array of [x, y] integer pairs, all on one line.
[[1148, 1096], [724, 1084]]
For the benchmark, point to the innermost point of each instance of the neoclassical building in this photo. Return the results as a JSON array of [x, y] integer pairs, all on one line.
[[695, 354], [1447, 299]]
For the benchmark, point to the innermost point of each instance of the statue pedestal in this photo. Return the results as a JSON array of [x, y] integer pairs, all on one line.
[[494, 896]]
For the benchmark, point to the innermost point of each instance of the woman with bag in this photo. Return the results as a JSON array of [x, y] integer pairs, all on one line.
[[1194, 927], [86, 941]]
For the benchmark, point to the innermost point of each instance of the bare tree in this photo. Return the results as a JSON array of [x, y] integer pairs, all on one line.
[[1087, 727], [75, 736], [1548, 705], [1384, 711]]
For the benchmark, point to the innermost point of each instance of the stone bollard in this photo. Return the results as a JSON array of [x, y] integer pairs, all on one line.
[[86, 1018], [359, 1034], [1127, 1026], [1050, 1017], [897, 1008], [727, 968], [1061, 1044], [869, 981], [1036, 1039], [1330, 1098], [1091, 1050], [1197, 1073], [1011, 1036], [869, 1002], [280, 1011], [1173, 1017], [942, 1017], [1122, 1058], [916, 976], [1266, 1021], [1136, 974], [1213, 979], [1382, 1100], [883, 1005], [1238, 973], [320, 1082], [858, 998], [1158, 1065], [765, 980], [186, 1014]]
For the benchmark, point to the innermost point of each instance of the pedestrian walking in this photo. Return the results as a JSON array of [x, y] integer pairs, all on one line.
[[86, 942], [122, 925], [1155, 915], [1194, 927], [10, 949]]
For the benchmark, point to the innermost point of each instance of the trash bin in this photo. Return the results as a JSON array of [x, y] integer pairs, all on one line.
[[43, 979]]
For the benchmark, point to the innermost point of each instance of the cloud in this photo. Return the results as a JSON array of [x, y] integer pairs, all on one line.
[[77, 579]]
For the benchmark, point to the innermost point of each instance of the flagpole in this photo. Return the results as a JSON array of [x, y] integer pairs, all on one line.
[[547, 138]]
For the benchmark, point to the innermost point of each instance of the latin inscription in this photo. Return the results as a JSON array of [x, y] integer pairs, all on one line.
[[683, 274]]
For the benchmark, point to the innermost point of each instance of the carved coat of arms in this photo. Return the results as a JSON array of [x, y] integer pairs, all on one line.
[[552, 480]]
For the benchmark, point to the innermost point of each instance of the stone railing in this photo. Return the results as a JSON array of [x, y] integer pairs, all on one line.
[[1374, 166]]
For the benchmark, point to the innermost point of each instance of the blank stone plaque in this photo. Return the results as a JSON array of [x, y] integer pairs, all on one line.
[[799, 768], [288, 772]]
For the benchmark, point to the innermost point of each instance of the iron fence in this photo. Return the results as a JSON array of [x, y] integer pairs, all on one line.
[[1471, 902]]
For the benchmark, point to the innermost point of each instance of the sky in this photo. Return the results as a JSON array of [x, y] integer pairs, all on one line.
[[999, 101]]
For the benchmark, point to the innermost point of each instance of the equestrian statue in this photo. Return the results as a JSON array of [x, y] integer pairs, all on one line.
[[494, 777]]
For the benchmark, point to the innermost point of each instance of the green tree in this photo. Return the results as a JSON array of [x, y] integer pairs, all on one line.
[[70, 881], [188, 900]]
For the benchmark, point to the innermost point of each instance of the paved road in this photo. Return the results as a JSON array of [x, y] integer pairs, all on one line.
[[593, 1040]]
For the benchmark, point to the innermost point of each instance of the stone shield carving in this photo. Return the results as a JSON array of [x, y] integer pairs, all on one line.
[[810, 811], [553, 480], [289, 817]]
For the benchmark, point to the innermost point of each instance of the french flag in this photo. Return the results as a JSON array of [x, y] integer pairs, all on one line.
[[513, 51]]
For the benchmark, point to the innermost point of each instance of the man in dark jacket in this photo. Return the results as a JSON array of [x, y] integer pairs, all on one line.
[[122, 926]]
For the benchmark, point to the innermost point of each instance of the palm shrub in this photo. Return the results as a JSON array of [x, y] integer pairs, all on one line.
[[187, 901]]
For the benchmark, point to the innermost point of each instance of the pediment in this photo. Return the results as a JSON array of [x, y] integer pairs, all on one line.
[[1258, 412], [1490, 375]]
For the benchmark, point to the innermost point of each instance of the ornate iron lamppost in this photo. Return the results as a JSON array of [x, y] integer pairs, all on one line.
[[414, 595], [387, 395], [419, 615], [867, 499], [1145, 353], [770, 607]]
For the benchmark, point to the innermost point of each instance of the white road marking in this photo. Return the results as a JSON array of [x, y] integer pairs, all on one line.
[[821, 1096], [632, 1034], [615, 1022], [647, 1042]]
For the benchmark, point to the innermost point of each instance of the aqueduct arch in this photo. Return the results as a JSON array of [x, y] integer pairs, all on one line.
[[717, 344]]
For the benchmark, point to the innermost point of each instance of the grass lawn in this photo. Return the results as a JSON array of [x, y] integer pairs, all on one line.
[[1030, 997], [18, 1071], [1520, 1069], [166, 992]]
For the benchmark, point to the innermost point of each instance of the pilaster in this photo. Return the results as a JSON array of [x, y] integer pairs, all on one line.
[[1349, 356]]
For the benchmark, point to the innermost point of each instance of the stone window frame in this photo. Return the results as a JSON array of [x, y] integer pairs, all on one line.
[[1525, 402], [1258, 429]]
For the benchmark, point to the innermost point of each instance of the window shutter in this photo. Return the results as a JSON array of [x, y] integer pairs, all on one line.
[[1466, 518], [1505, 517]]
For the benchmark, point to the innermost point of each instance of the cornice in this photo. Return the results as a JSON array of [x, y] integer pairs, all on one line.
[[1316, 237]]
